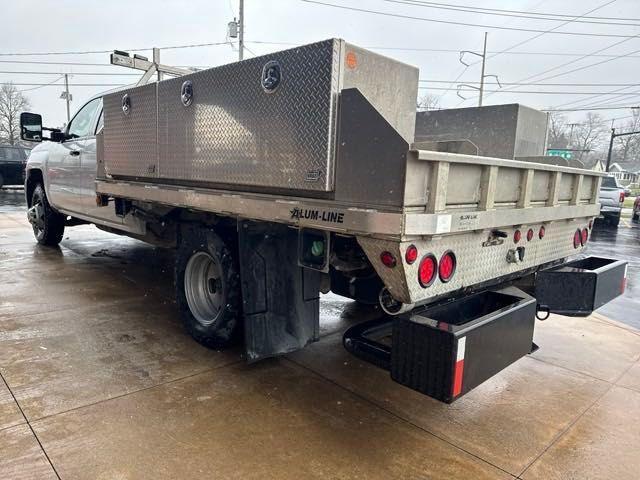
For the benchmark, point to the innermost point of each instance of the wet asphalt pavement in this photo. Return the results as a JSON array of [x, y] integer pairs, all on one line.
[[98, 379], [622, 242]]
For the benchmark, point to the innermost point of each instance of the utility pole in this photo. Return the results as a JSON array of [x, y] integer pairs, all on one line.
[[241, 30], [484, 60], [67, 96], [571, 133], [483, 75], [614, 135]]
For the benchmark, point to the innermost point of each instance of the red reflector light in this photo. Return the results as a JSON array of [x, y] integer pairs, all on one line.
[[541, 232], [577, 238], [387, 259], [447, 266], [411, 255], [529, 234], [517, 235], [427, 270], [621, 197], [585, 236]]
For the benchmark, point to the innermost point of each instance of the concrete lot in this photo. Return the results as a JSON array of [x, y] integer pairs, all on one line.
[[100, 382]]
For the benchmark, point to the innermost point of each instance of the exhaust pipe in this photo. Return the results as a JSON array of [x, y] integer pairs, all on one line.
[[390, 305]]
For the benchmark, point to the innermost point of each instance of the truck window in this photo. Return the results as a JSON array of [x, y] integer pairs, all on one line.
[[81, 125], [609, 182]]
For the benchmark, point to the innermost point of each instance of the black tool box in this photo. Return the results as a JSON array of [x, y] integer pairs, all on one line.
[[579, 287], [446, 350]]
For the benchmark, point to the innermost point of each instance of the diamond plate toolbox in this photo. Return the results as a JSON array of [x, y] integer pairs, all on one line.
[[266, 122], [131, 138]]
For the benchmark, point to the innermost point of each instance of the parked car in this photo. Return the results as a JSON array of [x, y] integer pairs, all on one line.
[[636, 209], [13, 160], [611, 198]]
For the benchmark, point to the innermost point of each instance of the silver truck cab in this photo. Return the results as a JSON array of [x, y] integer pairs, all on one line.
[[611, 198], [66, 167]]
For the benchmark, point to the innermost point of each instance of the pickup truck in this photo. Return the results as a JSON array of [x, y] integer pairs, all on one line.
[[283, 176], [12, 164], [611, 198]]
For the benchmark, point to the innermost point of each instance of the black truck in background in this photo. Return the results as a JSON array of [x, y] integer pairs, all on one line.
[[13, 160]]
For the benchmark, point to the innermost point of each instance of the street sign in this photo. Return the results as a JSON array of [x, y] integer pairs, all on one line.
[[560, 152]]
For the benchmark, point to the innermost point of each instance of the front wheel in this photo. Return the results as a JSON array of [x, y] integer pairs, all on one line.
[[47, 224], [208, 288]]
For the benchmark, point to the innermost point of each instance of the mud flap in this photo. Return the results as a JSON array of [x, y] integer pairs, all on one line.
[[280, 299]]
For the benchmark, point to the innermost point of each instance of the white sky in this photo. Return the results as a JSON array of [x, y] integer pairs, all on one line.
[[47, 26]]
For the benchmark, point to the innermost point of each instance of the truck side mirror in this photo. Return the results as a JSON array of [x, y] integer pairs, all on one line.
[[31, 127]]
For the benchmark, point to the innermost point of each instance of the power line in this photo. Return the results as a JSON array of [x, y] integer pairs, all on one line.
[[610, 107], [520, 11], [542, 84], [88, 52], [450, 50], [506, 50], [258, 42], [462, 89], [573, 102], [71, 84], [69, 73], [449, 22], [551, 30], [476, 10], [43, 85], [579, 68]]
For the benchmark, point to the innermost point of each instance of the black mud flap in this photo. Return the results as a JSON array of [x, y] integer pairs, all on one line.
[[280, 299], [446, 350], [579, 287]]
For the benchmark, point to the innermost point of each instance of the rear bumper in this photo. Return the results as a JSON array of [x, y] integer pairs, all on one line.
[[605, 210]]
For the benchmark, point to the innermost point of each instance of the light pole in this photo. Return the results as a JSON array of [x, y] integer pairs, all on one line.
[[614, 135]]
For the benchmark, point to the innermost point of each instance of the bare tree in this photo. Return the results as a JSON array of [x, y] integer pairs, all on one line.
[[588, 135], [428, 102], [12, 103], [558, 131]]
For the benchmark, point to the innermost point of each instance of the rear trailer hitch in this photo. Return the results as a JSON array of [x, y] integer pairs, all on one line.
[[446, 350]]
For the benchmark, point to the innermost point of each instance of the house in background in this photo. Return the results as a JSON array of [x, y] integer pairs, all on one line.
[[623, 176]]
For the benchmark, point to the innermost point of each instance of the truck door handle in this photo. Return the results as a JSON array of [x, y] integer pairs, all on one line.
[[75, 153]]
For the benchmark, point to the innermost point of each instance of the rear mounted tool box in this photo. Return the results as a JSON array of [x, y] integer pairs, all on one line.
[[446, 350], [579, 287]]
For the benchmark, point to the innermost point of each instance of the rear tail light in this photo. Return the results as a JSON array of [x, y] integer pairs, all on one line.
[[387, 259], [621, 197], [577, 239], [529, 234], [585, 236], [427, 270], [411, 255], [447, 266], [541, 232], [517, 235]]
